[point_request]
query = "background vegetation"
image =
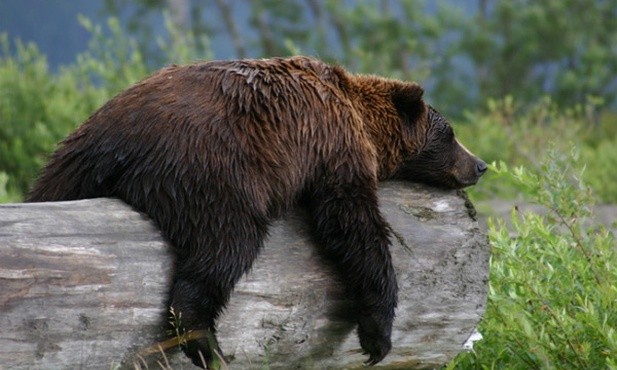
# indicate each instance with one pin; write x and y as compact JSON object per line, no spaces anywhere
{"x":513,"y":75}
{"x":552,"y":292}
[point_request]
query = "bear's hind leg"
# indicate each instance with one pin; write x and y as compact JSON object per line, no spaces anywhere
{"x":205,"y":277}
{"x":194,"y":322}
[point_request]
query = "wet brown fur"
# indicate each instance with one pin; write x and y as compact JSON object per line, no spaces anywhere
{"x":215,"y":151}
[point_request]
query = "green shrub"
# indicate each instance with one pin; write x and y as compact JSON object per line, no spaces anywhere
{"x":37,"y":109}
{"x":601,"y":169}
{"x":552,"y":300}
{"x":5,"y":196}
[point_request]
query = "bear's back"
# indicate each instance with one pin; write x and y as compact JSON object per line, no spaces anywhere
{"x":261,"y":127}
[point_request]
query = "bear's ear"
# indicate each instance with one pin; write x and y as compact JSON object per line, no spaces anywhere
{"x":407,"y":99}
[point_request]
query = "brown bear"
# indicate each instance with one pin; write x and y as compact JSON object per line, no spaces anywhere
{"x":215,"y":151}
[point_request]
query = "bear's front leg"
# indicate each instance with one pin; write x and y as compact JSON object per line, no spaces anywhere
{"x":355,"y":236}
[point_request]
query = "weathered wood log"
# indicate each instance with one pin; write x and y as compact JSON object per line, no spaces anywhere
{"x":83,"y":284}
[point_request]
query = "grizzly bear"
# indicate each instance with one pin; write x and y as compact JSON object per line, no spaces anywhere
{"x":215,"y":151}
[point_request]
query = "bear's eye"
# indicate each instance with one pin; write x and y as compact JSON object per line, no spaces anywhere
{"x":446,"y":132}
{"x":445,"y":129}
{"x":441,"y":125}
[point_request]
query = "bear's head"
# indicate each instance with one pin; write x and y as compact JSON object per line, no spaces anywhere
{"x":431,"y":154}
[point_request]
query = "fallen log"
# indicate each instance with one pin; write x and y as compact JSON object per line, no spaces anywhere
{"x":83,"y":284}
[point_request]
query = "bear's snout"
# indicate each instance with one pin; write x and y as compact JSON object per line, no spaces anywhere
{"x":468,"y":168}
{"x":475,"y":168}
{"x":481,"y":167}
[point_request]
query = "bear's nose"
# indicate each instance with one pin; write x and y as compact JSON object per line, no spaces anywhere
{"x":481,"y":168}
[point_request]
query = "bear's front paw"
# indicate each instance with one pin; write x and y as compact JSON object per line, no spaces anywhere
{"x":203,"y":350}
{"x":375,"y":337}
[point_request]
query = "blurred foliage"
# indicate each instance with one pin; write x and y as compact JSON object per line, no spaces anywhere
{"x":552,"y":301}
{"x":465,"y":51}
{"x":564,"y":48}
{"x":506,"y":131}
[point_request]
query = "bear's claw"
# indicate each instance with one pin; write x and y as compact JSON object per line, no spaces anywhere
{"x":204,"y":351}
{"x":374,"y":338}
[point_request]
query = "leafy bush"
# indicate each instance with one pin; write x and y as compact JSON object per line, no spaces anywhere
{"x":37,"y":109}
{"x":4,"y":194}
{"x":552,"y":297}
{"x":601,"y":169}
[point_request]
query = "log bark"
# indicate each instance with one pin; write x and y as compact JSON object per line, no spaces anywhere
{"x":83,"y":284}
